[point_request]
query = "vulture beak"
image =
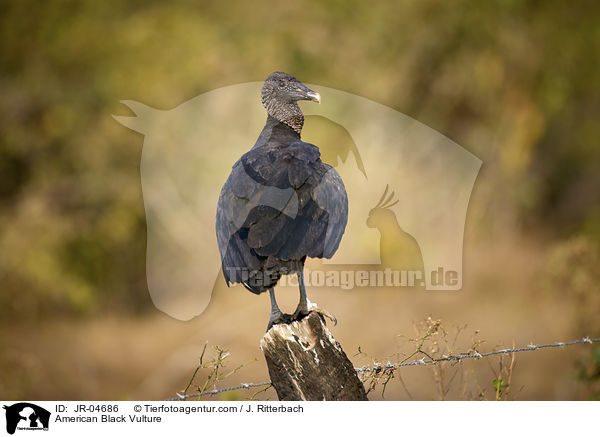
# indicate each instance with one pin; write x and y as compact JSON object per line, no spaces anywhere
{"x":314,"y":96}
{"x":305,"y":93}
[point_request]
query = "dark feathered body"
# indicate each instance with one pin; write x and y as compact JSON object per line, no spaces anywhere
{"x":280,"y":204}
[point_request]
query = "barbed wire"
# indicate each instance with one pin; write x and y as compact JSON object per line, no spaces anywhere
{"x":388,"y":366}
{"x":529,"y":347}
{"x":181,"y":397}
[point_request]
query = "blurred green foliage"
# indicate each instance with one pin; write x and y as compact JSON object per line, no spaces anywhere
{"x":515,"y":82}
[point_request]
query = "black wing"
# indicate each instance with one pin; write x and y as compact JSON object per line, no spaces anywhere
{"x":278,"y":206}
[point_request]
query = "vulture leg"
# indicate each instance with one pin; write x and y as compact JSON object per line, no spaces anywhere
{"x":277,"y":317}
{"x":304,"y":306}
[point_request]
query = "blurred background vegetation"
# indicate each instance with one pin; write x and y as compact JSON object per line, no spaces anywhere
{"x":514,"y":82}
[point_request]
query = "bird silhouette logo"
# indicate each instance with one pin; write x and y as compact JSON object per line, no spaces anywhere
{"x":398,"y":249}
{"x":188,"y":154}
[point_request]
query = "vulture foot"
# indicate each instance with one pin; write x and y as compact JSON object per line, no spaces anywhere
{"x":299,"y":314}
{"x":279,"y":319}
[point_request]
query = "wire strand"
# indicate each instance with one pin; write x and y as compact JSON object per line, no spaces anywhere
{"x":381,"y":367}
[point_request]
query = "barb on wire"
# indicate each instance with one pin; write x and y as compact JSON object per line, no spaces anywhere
{"x":389,"y":366}
{"x":181,"y":397}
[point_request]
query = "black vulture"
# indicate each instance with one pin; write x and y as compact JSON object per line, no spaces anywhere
{"x":281,"y":203}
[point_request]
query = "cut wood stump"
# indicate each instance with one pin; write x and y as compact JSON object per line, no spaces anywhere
{"x":306,"y":363}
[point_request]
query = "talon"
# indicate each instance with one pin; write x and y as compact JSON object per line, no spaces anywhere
{"x":324,"y":313}
{"x":299,"y":314}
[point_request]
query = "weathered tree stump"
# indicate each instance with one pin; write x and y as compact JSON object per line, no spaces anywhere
{"x":306,"y":363}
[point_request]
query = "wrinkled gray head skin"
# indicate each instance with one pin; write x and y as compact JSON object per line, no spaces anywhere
{"x":285,"y":88}
{"x":280,"y":94}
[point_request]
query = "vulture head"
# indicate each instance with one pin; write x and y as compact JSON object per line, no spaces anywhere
{"x":280,"y":94}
